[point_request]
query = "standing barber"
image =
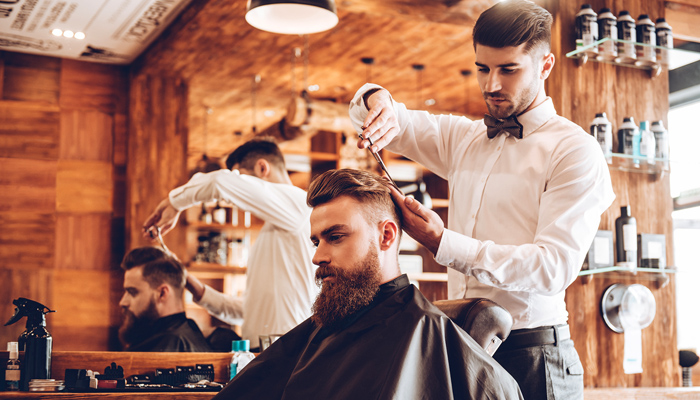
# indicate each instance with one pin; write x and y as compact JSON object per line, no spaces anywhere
{"x":527,"y":188}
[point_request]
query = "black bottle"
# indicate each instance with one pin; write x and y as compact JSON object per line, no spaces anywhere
{"x":626,"y":237}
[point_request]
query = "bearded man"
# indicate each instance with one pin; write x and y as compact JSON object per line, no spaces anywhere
{"x":372,"y":334}
{"x":153,"y":306}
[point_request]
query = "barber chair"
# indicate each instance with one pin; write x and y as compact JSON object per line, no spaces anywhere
{"x":484,"y":320}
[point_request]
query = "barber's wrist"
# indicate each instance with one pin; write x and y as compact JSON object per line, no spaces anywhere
{"x":366,"y":96}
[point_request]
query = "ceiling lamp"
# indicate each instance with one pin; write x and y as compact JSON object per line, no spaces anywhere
{"x":292,"y":17}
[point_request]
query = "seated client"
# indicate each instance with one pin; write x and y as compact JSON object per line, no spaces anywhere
{"x":153,"y":306}
{"x":372,"y":334}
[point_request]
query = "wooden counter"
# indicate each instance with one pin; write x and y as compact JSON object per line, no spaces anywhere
{"x":120,"y":396}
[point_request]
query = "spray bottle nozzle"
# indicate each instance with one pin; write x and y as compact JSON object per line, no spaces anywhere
{"x":27,"y":308}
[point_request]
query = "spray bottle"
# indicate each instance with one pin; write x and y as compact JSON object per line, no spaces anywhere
{"x":36,"y":341}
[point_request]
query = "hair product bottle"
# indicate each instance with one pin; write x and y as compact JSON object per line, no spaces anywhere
{"x":626,"y":238}
{"x":627,"y":31}
{"x":601,"y":129}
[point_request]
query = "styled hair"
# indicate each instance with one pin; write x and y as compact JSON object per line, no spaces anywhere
{"x":158,"y":267}
{"x":251,"y":151}
{"x":365,"y":187}
{"x":512,"y":23}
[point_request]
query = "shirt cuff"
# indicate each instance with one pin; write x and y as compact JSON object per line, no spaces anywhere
{"x":457,"y":251}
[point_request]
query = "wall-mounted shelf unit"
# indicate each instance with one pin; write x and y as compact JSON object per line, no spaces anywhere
{"x":658,"y":275}
{"x":630,"y":163}
{"x":676,"y":57}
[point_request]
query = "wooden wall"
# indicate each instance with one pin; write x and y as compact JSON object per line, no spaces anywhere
{"x":62,"y":163}
{"x":579,"y":93}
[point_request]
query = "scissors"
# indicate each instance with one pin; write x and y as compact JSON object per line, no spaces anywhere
{"x":379,"y":160}
{"x":157,"y":235}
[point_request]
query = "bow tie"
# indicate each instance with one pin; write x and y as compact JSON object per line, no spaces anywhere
{"x":510,"y":125}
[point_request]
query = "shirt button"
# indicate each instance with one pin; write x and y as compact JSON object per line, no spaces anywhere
{"x":498,"y":148}
{"x":483,"y":180}
{"x":451,"y":264}
{"x":473,"y":215}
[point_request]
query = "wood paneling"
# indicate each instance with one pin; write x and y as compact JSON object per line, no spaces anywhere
{"x":29,"y":130}
{"x":157,"y":148}
{"x":27,"y":185}
{"x":86,"y":135}
{"x":80,"y":299}
{"x":93,"y":86}
{"x":30,"y":77}
{"x":84,"y":186}
{"x":83,"y":241}
{"x":27,"y":239}
{"x":579,"y":93}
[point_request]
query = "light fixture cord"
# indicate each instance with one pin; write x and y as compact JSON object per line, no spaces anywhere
{"x":254,"y":87}
{"x":296,"y":53}
{"x":306,"y":62}
{"x":419,"y":86}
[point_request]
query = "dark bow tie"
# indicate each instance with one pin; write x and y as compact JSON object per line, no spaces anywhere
{"x":510,"y":125}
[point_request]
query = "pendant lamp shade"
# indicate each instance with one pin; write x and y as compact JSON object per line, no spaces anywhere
{"x":292,"y":17}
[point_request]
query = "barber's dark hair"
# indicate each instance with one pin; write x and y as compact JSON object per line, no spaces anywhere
{"x":251,"y":151}
{"x":158,"y":267}
{"x":512,"y":23}
{"x":367,"y":188}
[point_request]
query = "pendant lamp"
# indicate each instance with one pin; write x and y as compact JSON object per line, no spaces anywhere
{"x":292,"y":17}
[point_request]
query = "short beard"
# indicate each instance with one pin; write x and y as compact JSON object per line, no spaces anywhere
{"x":135,"y":329}
{"x":351,"y":291}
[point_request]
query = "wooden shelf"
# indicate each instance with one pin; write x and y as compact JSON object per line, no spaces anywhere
{"x":197,"y":266}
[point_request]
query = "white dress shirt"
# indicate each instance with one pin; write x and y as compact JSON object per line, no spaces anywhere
{"x":280,"y":284}
{"x":522,"y":212}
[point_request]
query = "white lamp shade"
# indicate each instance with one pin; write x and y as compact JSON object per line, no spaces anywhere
{"x":292,"y":17}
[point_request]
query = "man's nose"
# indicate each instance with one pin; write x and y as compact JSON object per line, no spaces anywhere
{"x":493,"y":83}
{"x":123,"y":303}
{"x":321,"y":255}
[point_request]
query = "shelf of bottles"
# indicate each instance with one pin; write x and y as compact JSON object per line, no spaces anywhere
{"x":660,"y":276}
{"x":671,"y":58}
{"x":639,"y":164}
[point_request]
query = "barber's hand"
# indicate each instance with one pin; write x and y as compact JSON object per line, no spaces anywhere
{"x":381,"y":123}
{"x":421,"y":223}
{"x":165,"y":216}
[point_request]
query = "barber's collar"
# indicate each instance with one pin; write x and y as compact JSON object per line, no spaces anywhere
{"x":534,"y":119}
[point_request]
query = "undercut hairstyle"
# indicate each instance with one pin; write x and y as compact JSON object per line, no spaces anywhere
{"x":512,"y":23}
{"x":365,"y":187}
{"x":247,"y":154}
{"x":158,"y":267}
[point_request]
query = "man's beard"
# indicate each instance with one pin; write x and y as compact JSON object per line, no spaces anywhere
{"x":350,"y":291}
{"x":516,"y":105}
{"x":134,"y":329}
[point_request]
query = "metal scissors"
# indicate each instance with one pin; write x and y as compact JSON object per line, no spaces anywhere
{"x":379,"y":160}
{"x":157,"y":235}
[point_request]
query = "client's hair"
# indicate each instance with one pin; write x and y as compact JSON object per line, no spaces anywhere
{"x":251,"y":151}
{"x":158,"y":267}
{"x":365,"y":187}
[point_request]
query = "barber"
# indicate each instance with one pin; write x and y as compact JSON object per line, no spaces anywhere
{"x":527,"y":189}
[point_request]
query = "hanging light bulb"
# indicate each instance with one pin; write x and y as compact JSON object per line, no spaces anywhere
{"x":292,"y":17}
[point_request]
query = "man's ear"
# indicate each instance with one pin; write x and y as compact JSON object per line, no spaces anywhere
{"x":389,"y":234}
{"x":163,"y":292}
{"x":547,"y":65}
{"x":262,"y":168}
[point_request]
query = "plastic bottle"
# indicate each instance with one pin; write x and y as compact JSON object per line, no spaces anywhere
{"x":205,"y":216}
{"x":661,"y":137}
{"x":607,"y":28}
{"x":233,"y":365}
{"x":646,"y":34}
{"x":627,"y":31}
{"x":12,"y":371}
{"x":219,"y":214}
{"x":628,"y":139}
{"x":586,"y":28}
{"x":601,"y":129}
{"x":647,"y":143}
{"x":244,"y":355}
{"x":626,"y":238}
{"x":664,"y":38}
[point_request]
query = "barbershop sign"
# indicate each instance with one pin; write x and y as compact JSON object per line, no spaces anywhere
{"x":109,"y":31}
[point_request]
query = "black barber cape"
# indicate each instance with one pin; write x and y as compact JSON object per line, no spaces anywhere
{"x":398,"y":347}
{"x":174,"y":333}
